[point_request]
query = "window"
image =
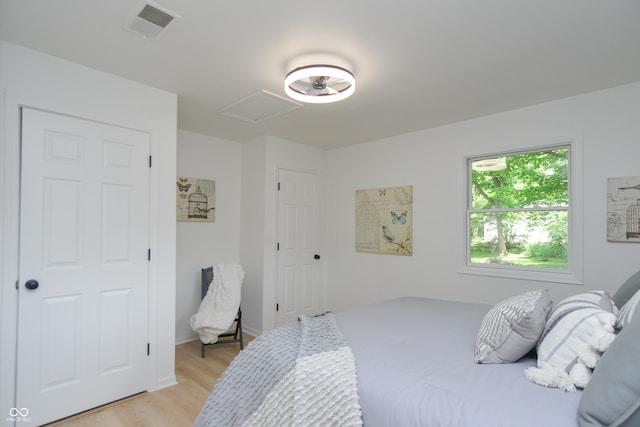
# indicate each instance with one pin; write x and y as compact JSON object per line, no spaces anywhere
{"x":519,"y":214}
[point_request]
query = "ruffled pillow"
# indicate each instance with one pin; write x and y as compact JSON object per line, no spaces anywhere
{"x":578,"y":331}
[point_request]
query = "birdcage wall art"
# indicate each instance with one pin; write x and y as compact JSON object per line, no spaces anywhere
{"x":197,"y":204}
{"x":195,"y":199}
{"x":623,"y":213}
{"x":633,"y":221}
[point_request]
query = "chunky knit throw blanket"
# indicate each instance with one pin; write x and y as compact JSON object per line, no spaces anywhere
{"x":220,"y":305}
{"x":301,"y":374}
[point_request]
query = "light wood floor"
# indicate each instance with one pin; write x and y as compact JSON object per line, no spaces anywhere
{"x":174,"y":406}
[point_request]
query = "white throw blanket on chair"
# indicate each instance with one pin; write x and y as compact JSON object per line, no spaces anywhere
{"x":219,"y":307}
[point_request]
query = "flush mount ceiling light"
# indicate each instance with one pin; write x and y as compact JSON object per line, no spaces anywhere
{"x":490,"y":165}
{"x":319,"y":84}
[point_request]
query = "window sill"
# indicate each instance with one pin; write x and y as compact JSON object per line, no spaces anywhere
{"x":562,"y":276}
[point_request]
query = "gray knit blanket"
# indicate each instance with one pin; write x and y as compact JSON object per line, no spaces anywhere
{"x":301,"y":374}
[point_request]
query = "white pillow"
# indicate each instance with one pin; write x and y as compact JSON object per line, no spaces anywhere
{"x":578,"y":331}
{"x":628,"y":310}
{"x":512,"y":327}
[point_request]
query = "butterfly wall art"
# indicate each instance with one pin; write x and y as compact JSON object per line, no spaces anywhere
{"x":399,"y":219}
{"x":384,"y":220}
{"x":195,"y":199}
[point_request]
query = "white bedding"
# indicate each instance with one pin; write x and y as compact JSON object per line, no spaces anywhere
{"x":415,"y":367}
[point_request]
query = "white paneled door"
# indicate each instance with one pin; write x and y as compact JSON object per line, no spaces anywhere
{"x":83,"y":287}
{"x":298,"y":243}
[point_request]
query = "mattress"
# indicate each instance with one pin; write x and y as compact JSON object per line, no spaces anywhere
{"x":415,"y":367}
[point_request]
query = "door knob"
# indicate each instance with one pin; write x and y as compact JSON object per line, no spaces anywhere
{"x":31,"y":284}
{"x":316,"y":256}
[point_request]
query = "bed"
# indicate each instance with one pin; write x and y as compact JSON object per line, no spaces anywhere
{"x":414,"y":358}
{"x":414,"y":366}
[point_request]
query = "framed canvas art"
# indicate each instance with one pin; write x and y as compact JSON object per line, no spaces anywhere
{"x":195,"y":199}
{"x":384,"y":220}
{"x":623,"y":209}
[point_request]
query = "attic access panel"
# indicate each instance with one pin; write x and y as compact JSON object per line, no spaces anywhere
{"x":259,"y":107}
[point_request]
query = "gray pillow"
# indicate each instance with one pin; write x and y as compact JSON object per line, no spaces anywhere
{"x":627,"y":290}
{"x":628,"y":311}
{"x":612,"y":397}
{"x":512,"y":327}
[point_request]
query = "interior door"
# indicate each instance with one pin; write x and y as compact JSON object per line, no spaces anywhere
{"x":84,"y":239}
{"x":298,"y":258}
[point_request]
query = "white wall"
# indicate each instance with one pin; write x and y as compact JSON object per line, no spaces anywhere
{"x":252,"y":233}
{"x":41,"y":81}
{"x":202,"y":244}
{"x":608,"y":124}
{"x":262,"y":159}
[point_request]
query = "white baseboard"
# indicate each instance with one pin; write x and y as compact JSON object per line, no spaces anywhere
{"x":189,"y":338}
{"x":250,"y":331}
{"x":186,"y":339}
{"x":165,"y":382}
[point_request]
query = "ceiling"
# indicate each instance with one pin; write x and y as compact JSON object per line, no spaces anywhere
{"x":417,"y":63}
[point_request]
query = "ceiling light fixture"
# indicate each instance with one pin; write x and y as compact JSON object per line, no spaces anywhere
{"x":319,"y":84}
{"x":489,"y":165}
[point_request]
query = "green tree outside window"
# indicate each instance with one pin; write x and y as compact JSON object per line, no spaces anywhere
{"x":518,"y":209}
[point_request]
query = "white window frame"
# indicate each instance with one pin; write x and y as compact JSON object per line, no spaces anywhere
{"x":573,"y":273}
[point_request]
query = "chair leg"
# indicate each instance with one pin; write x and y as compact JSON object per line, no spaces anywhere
{"x":235,"y":334}
{"x":202,"y":351}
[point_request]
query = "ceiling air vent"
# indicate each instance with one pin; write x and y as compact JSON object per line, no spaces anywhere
{"x":150,"y":20}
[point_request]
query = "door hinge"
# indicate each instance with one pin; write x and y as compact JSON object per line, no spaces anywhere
{"x":278,"y":246}
{"x":150,"y":161}
{"x":277,"y":307}
{"x":148,"y":254}
{"x":278,"y":186}
{"x":148,"y":349}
